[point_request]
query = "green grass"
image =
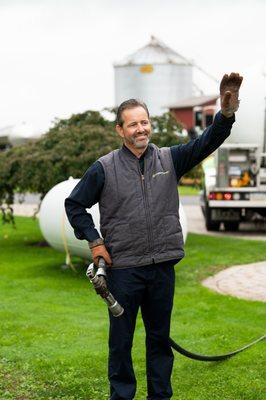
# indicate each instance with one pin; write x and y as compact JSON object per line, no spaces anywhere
{"x":54,"y":328}
{"x":188,"y":191}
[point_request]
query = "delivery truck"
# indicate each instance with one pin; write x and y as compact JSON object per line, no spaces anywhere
{"x":234,"y":187}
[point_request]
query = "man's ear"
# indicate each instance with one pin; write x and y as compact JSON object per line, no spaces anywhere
{"x":119,"y":130}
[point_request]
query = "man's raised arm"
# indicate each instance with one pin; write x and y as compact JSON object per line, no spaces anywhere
{"x":187,"y":156}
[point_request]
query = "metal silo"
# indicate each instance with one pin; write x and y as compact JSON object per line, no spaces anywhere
{"x":155,"y":74}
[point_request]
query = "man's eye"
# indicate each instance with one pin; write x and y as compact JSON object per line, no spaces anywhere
{"x":144,"y":122}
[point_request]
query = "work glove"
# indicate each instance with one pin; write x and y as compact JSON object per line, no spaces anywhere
{"x":100,"y":251}
{"x":100,"y":286}
{"x":229,"y":91}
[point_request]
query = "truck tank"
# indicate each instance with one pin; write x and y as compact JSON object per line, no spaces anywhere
{"x":249,"y":126}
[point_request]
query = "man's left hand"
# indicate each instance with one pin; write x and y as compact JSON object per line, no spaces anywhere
{"x":229,"y":91}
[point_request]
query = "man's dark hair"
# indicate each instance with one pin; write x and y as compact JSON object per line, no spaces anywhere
{"x":131,"y":103}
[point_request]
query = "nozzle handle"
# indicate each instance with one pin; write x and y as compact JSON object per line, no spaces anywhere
{"x":101,"y":267}
{"x":101,"y":263}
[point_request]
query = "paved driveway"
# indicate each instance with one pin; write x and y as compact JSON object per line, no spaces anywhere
{"x":196,"y":222}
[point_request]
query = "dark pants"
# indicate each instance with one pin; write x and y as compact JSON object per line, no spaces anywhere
{"x":151,"y":288}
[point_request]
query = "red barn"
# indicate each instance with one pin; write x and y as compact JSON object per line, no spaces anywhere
{"x":195,"y":111}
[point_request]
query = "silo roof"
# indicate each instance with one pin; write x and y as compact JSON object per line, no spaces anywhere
{"x":155,"y":52}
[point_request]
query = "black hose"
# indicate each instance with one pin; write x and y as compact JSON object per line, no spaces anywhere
{"x":195,"y":356}
{"x":202,"y":357}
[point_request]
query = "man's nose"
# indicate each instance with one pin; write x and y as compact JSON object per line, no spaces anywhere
{"x":140,"y":127}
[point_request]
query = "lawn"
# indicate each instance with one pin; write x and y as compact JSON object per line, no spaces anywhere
{"x":54,"y":328}
{"x":188,"y":190}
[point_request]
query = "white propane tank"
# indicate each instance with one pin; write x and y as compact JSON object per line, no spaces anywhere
{"x":249,"y":125}
{"x":56,"y":229}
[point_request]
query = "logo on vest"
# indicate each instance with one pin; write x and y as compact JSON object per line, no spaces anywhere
{"x":160,"y":173}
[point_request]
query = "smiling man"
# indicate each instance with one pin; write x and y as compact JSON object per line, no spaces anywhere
{"x":135,"y":127}
{"x":136,"y":187}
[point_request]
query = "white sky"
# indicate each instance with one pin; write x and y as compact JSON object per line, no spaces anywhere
{"x":56,"y":56}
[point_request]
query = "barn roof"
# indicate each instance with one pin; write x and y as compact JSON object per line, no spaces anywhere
{"x":194,"y":101}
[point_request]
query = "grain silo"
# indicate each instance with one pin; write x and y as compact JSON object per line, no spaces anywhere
{"x":155,"y":74}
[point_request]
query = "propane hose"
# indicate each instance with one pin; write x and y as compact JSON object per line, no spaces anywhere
{"x":220,"y":357}
{"x":117,"y":311}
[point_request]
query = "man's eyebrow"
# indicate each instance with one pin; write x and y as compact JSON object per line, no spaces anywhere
{"x":135,"y":122}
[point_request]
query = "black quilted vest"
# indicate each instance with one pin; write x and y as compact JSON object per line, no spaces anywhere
{"x":139,"y":215}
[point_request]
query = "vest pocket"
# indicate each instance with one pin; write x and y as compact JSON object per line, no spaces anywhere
{"x":120,"y":240}
{"x":173,"y":232}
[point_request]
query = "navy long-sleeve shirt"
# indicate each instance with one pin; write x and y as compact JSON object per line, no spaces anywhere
{"x":185,"y":156}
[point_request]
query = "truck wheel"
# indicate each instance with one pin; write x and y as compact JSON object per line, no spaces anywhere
{"x":212,"y":226}
{"x":231,"y":226}
{"x":209,"y":223}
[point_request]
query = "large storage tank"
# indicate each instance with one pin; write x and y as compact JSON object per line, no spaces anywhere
{"x":56,"y":229}
{"x":54,"y":224}
{"x":155,"y":74}
{"x":249,"y":125}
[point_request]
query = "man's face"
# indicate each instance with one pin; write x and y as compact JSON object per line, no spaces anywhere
{"x":136,"y":129}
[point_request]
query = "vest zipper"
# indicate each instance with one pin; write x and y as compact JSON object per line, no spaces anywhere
{"x":147,"y":212}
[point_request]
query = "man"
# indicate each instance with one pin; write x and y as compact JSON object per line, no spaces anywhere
{"x":136,"y":187}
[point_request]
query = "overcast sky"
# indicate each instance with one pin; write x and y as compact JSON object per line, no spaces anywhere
{"x":57,"y":56}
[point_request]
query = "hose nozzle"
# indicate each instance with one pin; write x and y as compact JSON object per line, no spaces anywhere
{"x":94,"y":274}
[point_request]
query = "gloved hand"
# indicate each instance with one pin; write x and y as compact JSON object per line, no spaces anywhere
{"x":100,"y":251}
{"x":100,"y":286}
{"x":229,"y":91}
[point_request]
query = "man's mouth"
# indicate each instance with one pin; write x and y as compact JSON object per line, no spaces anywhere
{"x":141,"y":136}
